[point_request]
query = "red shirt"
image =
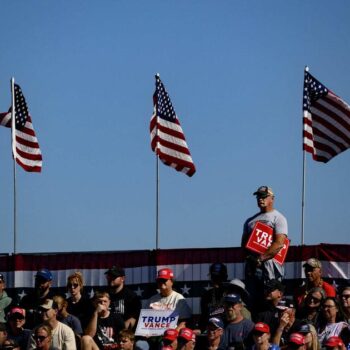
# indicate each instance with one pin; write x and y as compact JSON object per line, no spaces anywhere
{"x":302,"y":292}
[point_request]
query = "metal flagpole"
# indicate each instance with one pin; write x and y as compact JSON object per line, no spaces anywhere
{"x":13,"y":133}
{"x":157,"y":202}
{"x":303,"y":198}
{"x":303,"y":185}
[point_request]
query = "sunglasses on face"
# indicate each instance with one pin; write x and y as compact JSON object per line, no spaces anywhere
{"x":314,"y":299}
{"x":162,"y":280}
{"x":39,"y":338}
{"x":258,"y":334}
{"x":345,"y":296}
{"x":73,"y":285}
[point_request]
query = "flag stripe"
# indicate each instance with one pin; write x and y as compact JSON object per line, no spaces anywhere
{"x":167,"y":137}
{"x":190,"y":266}
{"x":326,"y":121}
{"x":28,"y":153}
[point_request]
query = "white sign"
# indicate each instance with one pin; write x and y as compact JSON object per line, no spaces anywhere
{"x":155,"y":322}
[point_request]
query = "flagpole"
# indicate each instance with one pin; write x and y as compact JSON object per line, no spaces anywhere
{"x":13,"y":133}
{"x":303,"y":199}
{"x":157,"y":201}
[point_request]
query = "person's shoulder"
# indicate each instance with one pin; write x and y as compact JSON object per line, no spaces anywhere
{"x":64,"y":328}
{"x":247,"y":322}
{"x":329,"y":289}
{"x":277,"y":214}
{"x":252,"y":217}
{"x":177,"y":295}
{"x":129,"y":293}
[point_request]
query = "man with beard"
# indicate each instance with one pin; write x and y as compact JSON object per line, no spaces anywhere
{"x":238,"y":330}
{"x":32,"y":301}
{"x":261,"y":268}
{"x":124,"y":301}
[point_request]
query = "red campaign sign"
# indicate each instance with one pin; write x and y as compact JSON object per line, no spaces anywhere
{"x":261,"y":238}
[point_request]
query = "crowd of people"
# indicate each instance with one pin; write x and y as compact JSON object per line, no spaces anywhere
{"x":316,"y":316}
{"x":254,"y":314}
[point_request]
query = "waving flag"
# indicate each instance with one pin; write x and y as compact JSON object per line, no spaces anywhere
{"x":167,"y":137}
{"x":26,"y":147}
{"x":326,"y":121}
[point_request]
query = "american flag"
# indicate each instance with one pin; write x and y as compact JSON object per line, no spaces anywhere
{"x":27,"y":150}
{"x":326,"y":121}
{"x":167,"y":137}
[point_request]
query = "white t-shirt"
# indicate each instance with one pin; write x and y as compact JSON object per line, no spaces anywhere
{"x":175,"y":301}
{"x":62,"y":339}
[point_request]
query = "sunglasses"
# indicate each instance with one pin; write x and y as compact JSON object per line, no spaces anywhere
{"x":345,"y":296}
{"x":315,"y":300}
{"x":72,"y":285}
{"x":39,"y":338}
{"x":162,"y":280}
{"x":258,"y":334}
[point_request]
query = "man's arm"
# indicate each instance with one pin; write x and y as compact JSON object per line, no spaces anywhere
{"x":274,"y":248}
{"x":91,"y":328}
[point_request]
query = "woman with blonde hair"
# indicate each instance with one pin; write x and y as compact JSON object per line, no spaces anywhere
{"x":310,"y":334}
{"x":43,"y":336}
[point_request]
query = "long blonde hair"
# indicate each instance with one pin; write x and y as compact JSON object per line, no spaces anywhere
{"x":315,"y":344}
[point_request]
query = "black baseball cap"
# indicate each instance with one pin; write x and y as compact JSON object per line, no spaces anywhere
{"x":115,"y":271}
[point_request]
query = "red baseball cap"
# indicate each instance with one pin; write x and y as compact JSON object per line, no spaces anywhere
{"x":334,"y":341}
{"x":170,"y":334}
{"x":297,"y":338}
{"x":17,"y":310}
{"x":187,"y":334}
{"x":262,"y":327}
{"x":165,"y":273}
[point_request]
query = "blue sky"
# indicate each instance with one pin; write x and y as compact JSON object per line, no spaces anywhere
{"x":234,"y":72}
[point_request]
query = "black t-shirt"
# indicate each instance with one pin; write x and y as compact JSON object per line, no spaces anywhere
{"x":83,"y":309}
{"x":108,"y":329}
{"x":125,"y":303}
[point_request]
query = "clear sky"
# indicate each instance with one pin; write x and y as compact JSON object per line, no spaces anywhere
{"x":234,"y":72}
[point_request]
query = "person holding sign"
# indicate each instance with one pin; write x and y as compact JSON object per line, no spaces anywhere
{"x":264,"y":238}
{"x":168,"y":299}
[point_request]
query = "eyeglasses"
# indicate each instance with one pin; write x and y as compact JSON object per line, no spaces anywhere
{"x":73,"y":285}
{"x":345,"y":296}
{"x":325,"y":306}
{"x":40,"y":338}
{"x":258,"y":334}
{"x":315,"y":300}
{"x":162,"y":280}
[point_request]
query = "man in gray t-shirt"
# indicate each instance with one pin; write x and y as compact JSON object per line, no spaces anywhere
{"x":262,"y":267}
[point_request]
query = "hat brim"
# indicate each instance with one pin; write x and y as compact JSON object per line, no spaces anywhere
{"x":230,"y":285}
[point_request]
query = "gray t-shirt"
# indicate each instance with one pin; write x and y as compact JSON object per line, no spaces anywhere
{"x":278,"y":223}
